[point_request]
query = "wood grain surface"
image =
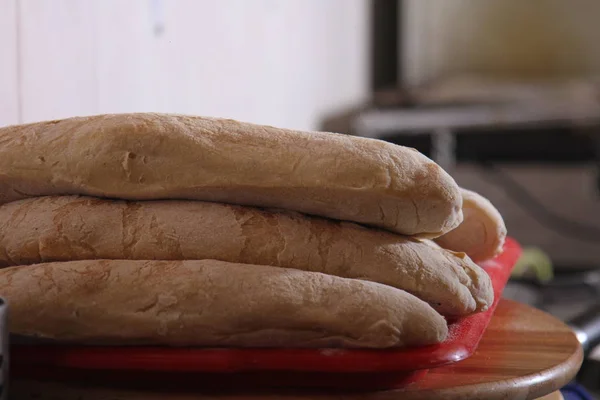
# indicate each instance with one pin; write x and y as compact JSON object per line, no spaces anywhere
{"x":524,"y":354}
{"x":552,"y":396}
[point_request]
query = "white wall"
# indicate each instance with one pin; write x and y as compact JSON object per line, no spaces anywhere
{"x":515,"y":38}
{"x":9,"y":108}
{"x":279,"y":62}
{"x":57,"y":59}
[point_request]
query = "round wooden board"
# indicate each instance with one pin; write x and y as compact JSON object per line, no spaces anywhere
{"x":524,"y":354}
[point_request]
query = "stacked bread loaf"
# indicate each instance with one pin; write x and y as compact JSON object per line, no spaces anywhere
{"x":190,"y":231}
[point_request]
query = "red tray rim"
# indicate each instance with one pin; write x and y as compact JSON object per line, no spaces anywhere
{"x":464,"y":336}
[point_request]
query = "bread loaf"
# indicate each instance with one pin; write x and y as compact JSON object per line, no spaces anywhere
{"x":211,"y":303}
{"x":77,"y":228}
{"x":158,"y":156}
{"x":481,"y":234}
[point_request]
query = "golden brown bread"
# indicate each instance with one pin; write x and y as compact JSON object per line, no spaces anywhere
{"x":481,"y":234}
{"x":159,"y":156}
{"x":68,"y":228}
{"x":211,"y":303}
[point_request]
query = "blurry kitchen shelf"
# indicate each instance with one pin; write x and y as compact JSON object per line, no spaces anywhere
{"x":381,"y":123}
{"x":516,"y":128}
{"x":475,"y":133}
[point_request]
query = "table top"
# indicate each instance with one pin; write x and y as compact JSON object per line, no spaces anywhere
{"x":524,"y":354}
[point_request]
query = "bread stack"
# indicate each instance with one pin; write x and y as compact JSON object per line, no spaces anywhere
{"x":174,"y":230}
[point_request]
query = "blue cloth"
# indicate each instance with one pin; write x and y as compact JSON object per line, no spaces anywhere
{"x":574,"y":391}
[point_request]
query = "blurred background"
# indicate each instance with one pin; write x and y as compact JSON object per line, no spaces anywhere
{"x":504,"y":94}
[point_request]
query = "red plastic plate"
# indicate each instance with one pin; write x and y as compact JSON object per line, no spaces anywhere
{"x":385,"y":365}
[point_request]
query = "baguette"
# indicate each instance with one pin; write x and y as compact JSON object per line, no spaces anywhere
{"x":159,"y":156}
{"x":76,"y":228}
{"x":211,"y":303}
{"x":481,"y":234}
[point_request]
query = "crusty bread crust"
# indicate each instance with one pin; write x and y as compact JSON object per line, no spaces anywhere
{"x":161,"y":156}
{"x":77,"y":228}
{"x":482,"y":233}
{"x":211,"y":303}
